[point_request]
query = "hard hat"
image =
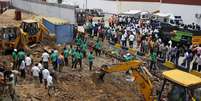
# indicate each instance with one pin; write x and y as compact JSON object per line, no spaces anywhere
{"x":15,"y":50}
{"x":56,"y":51}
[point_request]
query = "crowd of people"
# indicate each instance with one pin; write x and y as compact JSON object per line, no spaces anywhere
{"x":129,"y":32}
{"x":42,"y":73}
{"x":145,"y":37}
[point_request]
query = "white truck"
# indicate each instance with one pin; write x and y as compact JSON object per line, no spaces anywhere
{"x":168,"y":18}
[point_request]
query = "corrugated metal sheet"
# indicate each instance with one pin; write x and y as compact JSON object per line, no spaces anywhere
{"x":63,"y":32}
{"x":49,"y":26}
{"x":56,"y":21}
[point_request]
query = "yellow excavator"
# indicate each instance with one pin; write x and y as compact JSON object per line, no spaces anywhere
{"x":35,"y":30}
{"x":12,"y":37}
{"x":183,"y":84}
{"x":139,"y":72}
{"x":29,"y":32}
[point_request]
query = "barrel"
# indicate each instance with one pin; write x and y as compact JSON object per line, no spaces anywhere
{"x":18,"y":15}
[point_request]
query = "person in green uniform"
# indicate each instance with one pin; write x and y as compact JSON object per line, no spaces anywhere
{"x":14,"y":56}
{"x":20,"y":56}
{"x":54,"y":57}
{"x":75,"y":56}
{"x":79,"y":57}
{"x":71,"y":53}
{"x":78,"y":41}
{"x":98,"y":48}
{"x":90,"y":59}
{"x":84,"y":48}
{"x":153,"y":58}
{"x":66,"y":54}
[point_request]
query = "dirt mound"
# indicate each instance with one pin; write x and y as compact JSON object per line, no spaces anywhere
{"x":7,"y":18}
{"x":75,"y":85}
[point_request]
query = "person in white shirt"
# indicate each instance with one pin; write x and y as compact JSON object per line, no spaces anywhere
{"x":168,"y":52}
{"x":40,"y":66}
{"x":22,"y":69}
{"x":131,"y":40}
{"x":199,"y":62}
{"x":45,"y":74}
{"x":49,"y":81}
{"x":123,"y":40}
{"x":28,"y":62}
{"x":35,"y":72}
{"x":170,"y":43}
{"x":50,"y":84}
{"x":187,"y":57}
{"x":45,"y":59}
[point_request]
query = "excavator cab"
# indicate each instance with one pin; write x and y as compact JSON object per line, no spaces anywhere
{"x":9,"y":37}
{"x":32,"y":28}
{"x":185,"y":86}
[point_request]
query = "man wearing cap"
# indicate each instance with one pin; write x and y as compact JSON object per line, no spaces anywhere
{"x":14,"y":56}
{"x":20,"y":56}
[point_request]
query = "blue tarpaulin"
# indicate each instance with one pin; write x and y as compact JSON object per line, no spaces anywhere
{"x":62,"y":30}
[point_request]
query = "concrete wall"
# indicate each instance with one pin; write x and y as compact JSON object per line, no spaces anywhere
{"x":44,"y":9}
{"x":108,"y":6}
{"x":143,"y":6}
{"x":186,"y":11}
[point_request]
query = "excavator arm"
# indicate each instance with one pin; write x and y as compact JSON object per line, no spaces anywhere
{"x":141,"y":75}
{"x":44,"y":33}
{"x":123,"y":66}
{"x":22,"y":40}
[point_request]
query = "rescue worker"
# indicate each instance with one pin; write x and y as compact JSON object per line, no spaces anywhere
{"x":11,"y":85}
{"x":45,"y":59}
{"x":98,"y":48}
{"x":90,"y":28}
{"x":66,"y":55}
{"x":74,"y":58}
{"x":78,"y":40}
{"x":28,"y":62}
{"x":45,"y":74}
{"x":14,"y":56}
{"x":40,"y":66}
{"x":35,"y":73}
{"x":78,"y":56}
{"x":153,"y":57}
{"x":90,"y":59}
{"x":20,"y":56}
{"x":50,"y":84}
{"x":60,"y":62}
{"x":131,"y":40}
{"x":54,"y":57}
{"x":84,"y":48}
{"x":22,"y":69}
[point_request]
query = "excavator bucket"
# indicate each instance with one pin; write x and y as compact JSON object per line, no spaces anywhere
{"x":98,"y":76}
{"x":169,"y":65}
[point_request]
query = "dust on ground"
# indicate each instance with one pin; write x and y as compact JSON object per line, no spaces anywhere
{"x":75,"y":85}
{"x":8,"y":18}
